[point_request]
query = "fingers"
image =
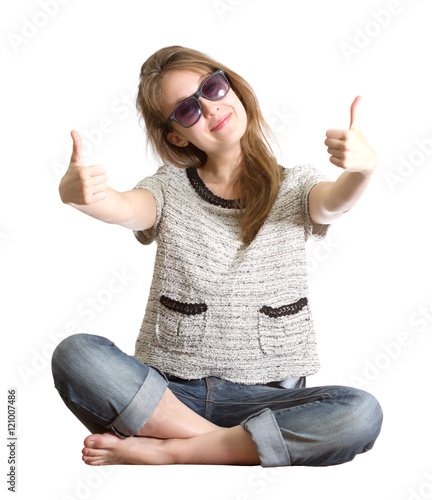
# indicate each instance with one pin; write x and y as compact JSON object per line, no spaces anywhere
{"x":342,"y":135}
{"x":347,"y":147}
{"x":82,"y":185}
{"x":335,"y":143}
{"x":354,"y":122}
{"x":337,"y":161}
{"x":355,"y":114}
{"x":96,"y":184}
{"x":94,"y":171}
{"x":76,"y":157}
{"x":90,"y":186}
{"x":337,"y":153}
{"x":337,"y":148}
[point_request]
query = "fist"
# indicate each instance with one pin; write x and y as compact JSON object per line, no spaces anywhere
{"x":348,"y":148}
{"x":82,"y":185}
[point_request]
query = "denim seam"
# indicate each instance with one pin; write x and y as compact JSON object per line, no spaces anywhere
{"x":181,"y":395}
{"x":294,"y":407}
{"x":249,"y":402}
{"x":271,"y":401}
{"x":209,"y":407}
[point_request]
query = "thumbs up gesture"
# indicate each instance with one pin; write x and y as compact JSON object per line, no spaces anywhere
{"x":82,"y":185}
{"x":348,"y":148}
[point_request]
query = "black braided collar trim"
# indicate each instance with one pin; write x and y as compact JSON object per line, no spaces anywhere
{"x":204,"y":191}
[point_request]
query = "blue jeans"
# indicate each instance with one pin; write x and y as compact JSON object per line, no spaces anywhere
{"x":110,"y":391}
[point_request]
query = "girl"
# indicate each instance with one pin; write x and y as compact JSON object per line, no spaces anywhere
{"x":227,"y":340}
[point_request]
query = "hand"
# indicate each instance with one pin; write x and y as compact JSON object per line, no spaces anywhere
{"x":82,"y":185}
{"x":348,"y":148}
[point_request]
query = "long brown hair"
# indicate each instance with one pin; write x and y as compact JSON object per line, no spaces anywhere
{"x":259,"y":176}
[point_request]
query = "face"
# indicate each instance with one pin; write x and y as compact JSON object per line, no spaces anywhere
{"x":180,"y":84}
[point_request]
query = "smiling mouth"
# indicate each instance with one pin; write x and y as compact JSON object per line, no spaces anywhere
{"x":222,"y":123}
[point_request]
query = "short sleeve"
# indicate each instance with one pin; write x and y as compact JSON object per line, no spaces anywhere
{"x":155,"y":186}
{"x":307,"y":176}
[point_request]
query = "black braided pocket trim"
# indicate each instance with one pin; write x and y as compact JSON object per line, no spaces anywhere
{"x":182,"y":307}
{"x":284,"y":310}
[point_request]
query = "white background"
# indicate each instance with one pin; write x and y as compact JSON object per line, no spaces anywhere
{"x":75,"y":65}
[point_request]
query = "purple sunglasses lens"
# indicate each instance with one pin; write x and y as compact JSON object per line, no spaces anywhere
{"x":188,"y":112}
{"x":215,"y":87}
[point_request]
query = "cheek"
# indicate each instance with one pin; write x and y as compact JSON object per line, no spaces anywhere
{"x":197,"y":136}
{"x":244,"y":114}
{"x":241,"y":112}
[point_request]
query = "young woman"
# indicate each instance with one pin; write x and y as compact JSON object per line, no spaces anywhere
{"x":227,"y":340}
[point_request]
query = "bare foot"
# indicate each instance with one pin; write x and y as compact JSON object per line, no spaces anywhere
{"x":109,"y":449}
{"x":173,"y":419}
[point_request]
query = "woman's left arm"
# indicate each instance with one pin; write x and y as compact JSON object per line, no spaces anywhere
{"x":349,"y":150}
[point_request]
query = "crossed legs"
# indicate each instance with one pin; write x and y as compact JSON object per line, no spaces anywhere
{"x":135,"y":418}
{"x":102,"y":386}
{"x":174,"y":434}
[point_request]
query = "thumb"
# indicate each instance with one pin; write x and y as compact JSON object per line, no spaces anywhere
{"x":76,"y":157}
{"x":355,"y":114}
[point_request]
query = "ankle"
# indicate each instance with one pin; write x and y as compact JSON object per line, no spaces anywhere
{"x":175,"y":450}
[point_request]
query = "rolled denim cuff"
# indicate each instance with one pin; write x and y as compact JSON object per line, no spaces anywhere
{"x":268,"y":438}
{"x":131,"y":420}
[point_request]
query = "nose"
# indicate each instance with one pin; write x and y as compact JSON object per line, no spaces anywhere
{"x":209,"y":108}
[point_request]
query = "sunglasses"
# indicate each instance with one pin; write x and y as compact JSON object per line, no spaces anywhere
{"x":189,"y":111}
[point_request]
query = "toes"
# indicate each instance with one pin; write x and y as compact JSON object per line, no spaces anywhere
{"x":99,"y":449}
{"x":90,"y":441}
{"x":95,"y":461}
{"x":93,"y":452}
{"x":106,"y":440}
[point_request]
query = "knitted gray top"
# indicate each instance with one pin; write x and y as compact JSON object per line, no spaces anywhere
{"x":217,"y":307}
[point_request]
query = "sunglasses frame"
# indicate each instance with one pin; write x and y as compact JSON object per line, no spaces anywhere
{"x":196,"y":97}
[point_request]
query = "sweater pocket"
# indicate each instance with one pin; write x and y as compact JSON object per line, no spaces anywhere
{"x":283,"y":329}
{"x":180,"y":325}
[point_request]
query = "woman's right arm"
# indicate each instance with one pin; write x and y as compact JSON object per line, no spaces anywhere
{"x":86,"y":189}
